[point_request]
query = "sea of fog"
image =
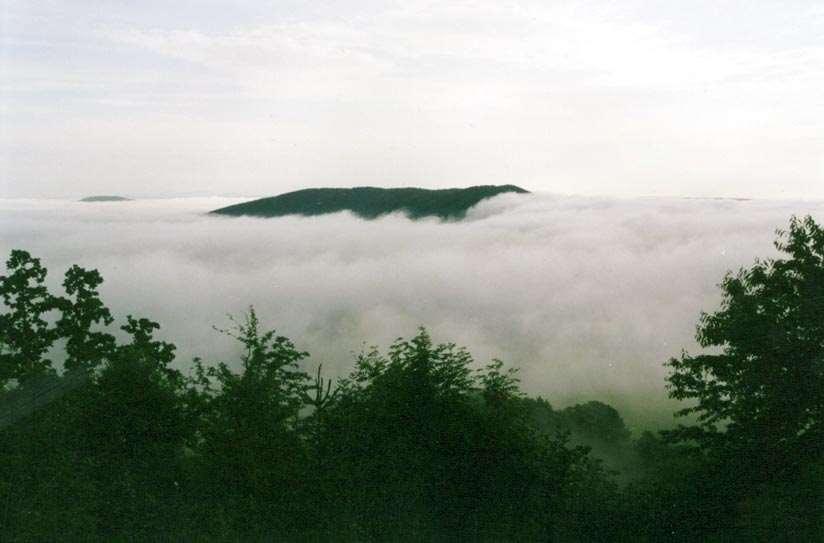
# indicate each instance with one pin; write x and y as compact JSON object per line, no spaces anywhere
{"x":588,"y":296}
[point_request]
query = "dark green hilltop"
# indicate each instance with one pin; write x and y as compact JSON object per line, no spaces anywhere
{"x":371,"y":202}
{"x":106,"y":199}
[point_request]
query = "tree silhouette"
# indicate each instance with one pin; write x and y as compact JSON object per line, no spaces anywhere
{"x":760,"y":392}
{"x":25,"y":334}
{"x":86,"y":348}
{"x":253,"y":455}
{"x":134,"y":427}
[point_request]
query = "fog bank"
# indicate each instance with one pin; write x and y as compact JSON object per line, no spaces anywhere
{"x":588,"y":296}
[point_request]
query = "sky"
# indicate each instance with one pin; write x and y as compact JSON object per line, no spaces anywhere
{"x":151,"y":98}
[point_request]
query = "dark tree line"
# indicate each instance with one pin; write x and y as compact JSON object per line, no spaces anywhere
{"x":114,"y":443}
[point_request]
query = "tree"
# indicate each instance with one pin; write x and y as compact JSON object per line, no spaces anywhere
{"x":596,"y":421}
{"x":86,"y":348}
{"x":134,"y":426}
{"x":417,"y":445}
{"x":759,"y":392}
{"x":25,"y":334}
{"x":252,"y":452}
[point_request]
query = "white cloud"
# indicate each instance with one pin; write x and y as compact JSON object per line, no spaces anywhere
{"x":589,"y":97}
{"x":589,"y":296}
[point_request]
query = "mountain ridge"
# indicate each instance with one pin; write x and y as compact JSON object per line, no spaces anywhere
{"x":371,"y":202}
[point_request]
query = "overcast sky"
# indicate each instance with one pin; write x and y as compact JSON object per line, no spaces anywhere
{"x":715,"y":98}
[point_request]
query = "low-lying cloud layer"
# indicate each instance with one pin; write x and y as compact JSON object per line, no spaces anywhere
{"x":589,"y":297}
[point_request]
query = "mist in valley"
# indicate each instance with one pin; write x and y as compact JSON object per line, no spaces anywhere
{"x":587,"y":296}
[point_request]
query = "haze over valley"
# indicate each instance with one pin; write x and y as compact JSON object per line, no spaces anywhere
{"x":408,"y":270}
{"x":588,"y":296}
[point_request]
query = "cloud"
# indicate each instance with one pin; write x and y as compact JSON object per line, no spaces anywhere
{"x":570,"y":45}
{"x":586,"y":97}
{"x":588,"y":296}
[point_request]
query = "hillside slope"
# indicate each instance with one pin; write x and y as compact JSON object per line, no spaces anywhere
{"x":371,"y":202}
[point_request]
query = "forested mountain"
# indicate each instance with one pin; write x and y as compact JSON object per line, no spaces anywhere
{"x":371,"y":202}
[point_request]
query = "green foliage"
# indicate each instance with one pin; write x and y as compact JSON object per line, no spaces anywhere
{"x":134,"y":427}
{"x":25,"y":333}
{"x":251,"y":453}
{"x":499,"y":387}
{"x":86,"y":349}
{"x":757,"y":401}
{"x":97,"y":449}
{"x":760,"y":392}
{"x":596,"y":420}
{"x":594,"y":425}
{"x":271,"y":379}
{"x":417,"y":444}
{"x":371,"y":202}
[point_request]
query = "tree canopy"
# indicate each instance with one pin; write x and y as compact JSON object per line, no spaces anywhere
{"x":759,"y":391}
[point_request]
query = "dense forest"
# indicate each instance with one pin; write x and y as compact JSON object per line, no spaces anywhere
{"x":101,"y":438}
{"x":371,"y":202}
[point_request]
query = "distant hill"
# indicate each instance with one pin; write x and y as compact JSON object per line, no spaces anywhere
{"x":371,"y":202}
{"x":105,"y":199}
